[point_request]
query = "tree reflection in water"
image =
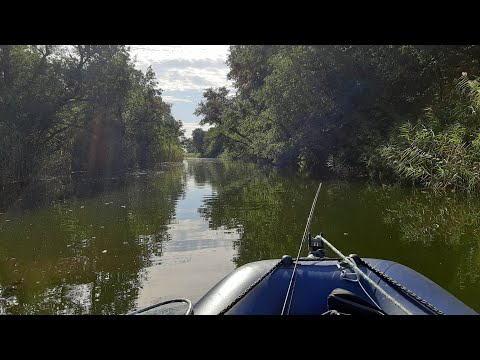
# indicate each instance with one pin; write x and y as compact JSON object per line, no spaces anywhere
{"x":77,"y":246}
{"x":435,"y":234}
{"x":85,"y":246}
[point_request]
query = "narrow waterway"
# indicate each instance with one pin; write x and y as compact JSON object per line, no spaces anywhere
{"x":85,"y":246}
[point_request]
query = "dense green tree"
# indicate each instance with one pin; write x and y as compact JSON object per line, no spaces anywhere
{"x":80,"y":108}
{"x":198,"y":140}
{"x":331,"y":105}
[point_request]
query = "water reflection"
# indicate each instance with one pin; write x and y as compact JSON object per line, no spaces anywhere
{"x":85,"y":253}
{"x":446,"y":229}
{"x":197,"y":256}
{"x":433,"y":234}
{"x":83,"y":246}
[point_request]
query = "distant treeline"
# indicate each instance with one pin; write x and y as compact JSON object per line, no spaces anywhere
{"x":81,"y":108}
{"x":408,"y":113}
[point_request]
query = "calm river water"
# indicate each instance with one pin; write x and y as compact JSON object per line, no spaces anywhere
{"x":83,"y":246}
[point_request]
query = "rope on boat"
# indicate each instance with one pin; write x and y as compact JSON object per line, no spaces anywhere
{"x":400,"y":287}
{"x":285,"y":262}
{"x":247,"y":290}
{"x":352,"y":263}
{"x":307,"y":228}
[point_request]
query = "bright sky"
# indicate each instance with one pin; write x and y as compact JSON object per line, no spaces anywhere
{"x":183,"y":73}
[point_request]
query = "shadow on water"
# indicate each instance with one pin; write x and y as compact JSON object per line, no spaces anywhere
{"x":83,"y":246}
{"x":437,"y":235}
{"x":80,"y":246}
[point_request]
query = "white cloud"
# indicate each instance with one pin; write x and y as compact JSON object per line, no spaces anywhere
{"x":191,"y":78}
{"x":189,"y":127}
{"x":147,"y":54}
{"x":173,"y":99}
{"x":185,"y":67}
{"x":183,"y":72}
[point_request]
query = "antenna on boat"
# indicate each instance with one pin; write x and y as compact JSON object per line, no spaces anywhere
{"x":307,"y":231}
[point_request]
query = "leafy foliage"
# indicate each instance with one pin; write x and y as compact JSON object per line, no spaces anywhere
{"x":440,"y":152}
{"x":338,"y":106}
{"x":80,"y":108}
